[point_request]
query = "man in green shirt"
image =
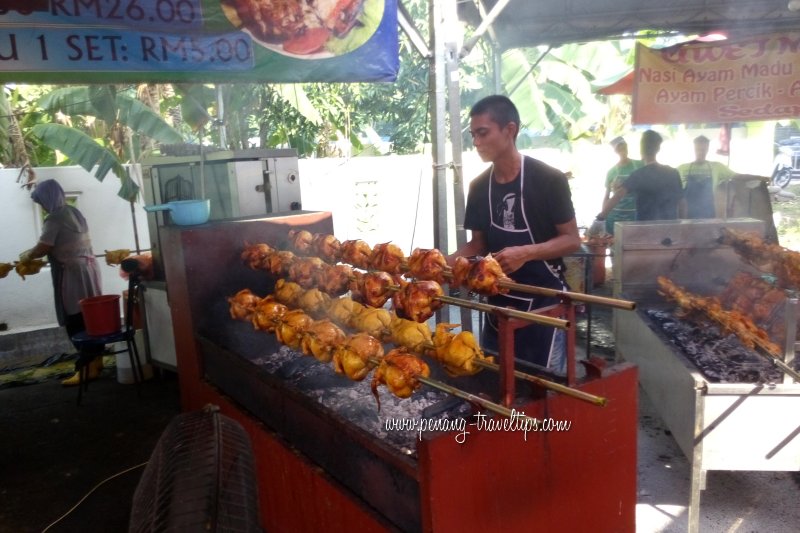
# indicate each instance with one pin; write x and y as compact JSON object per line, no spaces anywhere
{"x":700,"y":179}
{"x":626,"y":208}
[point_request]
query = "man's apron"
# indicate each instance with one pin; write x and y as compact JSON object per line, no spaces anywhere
{"x":533,"y":343}
{"x":699,"y":193}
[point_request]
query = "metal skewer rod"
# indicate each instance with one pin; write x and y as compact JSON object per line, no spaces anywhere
{"x":523,"y":315}
{"x":544,"y":291}
{"x":577,"y":296}
{"x":530,"y":317}
{"x":547,"y":384}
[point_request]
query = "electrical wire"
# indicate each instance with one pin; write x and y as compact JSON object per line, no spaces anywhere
{"x":62,"y":517}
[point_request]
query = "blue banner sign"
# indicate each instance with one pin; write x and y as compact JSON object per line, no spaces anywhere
{"x":114,"y":41}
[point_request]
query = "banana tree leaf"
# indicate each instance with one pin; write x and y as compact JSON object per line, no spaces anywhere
{"x":84,"y":151}
{"x":68,"y":100}
{"x":298,"y":99}
{"x":143,"y":120}
{"x":103,"y":98}
{"x":5,"y":126}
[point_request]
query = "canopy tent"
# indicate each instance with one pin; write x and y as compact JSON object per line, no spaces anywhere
{"x":526,"y":23}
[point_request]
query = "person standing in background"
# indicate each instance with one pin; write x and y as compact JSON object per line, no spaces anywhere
{"x":700,"y":179}
{"x":626,"y":208}
{"x":75,"y":271}
{"x":657,"y":187}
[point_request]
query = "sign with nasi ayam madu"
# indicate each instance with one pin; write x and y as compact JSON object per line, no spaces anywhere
{"x":733,"y":80}
{"x":114,"y":41}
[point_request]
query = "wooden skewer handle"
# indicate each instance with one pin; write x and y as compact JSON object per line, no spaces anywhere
{"x":577,"y":296}
{"x":531,"y":317}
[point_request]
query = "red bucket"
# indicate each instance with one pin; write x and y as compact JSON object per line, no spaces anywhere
{"x":101,"y":314}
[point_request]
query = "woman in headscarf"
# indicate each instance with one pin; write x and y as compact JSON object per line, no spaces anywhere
{"x":76,"y":274}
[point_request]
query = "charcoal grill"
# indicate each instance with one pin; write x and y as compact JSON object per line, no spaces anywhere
{"x":321,"y":465}
{"x":718,"y":425}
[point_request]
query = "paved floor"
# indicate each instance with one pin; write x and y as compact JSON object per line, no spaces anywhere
{"x":53,"y":452}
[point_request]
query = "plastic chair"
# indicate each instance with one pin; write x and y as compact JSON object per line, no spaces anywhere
{"x":126,"y":334}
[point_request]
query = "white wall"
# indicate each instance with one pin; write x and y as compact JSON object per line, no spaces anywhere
{"x":28,"y":304}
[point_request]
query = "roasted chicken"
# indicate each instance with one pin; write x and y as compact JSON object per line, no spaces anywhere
{"x":731,"y":321}
{"x":301,"y":240}
{"x":267,"y":314}
{"x":357,"y":355}
{"x":344,"y":311}
{"x":115,"y":257}
{"x":461,"y":269}
{"x":320,"y":339}
{"x":279,"y":263}
{"x":287,"y":292}
{"x":768,"y":257}
{"x":242,"y":304}
{"x":356,"y":286}
{"x":314,"y":302}
{"x":387,"y":257}
{"x":373,"y":321}
{"x":304,"y":269}
{"x":256,"y":256}
{"x":427,"y":265}
{"x":327,"y":247}
{"x":5,"y":268}
{"x":415,"y":336}
{"x":333,"y":279}
{"x":400,"y":372}
{"x":292,"y":327}
{"x":375,"y":288}
{"x":357,"y":253}
{"x":419,"y":300}
{"x":482,"y":275}
{"x":456,"y":352}
{"x":27,"y":268}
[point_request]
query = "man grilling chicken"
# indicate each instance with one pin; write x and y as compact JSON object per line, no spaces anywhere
{"x":519,"y":210}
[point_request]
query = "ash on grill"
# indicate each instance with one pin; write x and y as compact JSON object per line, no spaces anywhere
{"x":353,"y":400}
{"x":720,"y":358}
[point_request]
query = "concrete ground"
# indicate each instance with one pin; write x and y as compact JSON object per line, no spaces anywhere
{"x":53,"y":453}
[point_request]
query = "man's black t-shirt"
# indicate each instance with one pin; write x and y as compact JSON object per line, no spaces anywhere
{"x":658,"y":191}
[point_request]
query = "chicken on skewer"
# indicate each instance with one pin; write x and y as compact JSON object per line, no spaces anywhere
{"x":292,"y":327}
{"x":356,"y":356}
{"x":242,"y":304}
{"x":314,"y":302}
{"x":320,"y":340}
{"x":344,"y":311}
{"x":327,"y":247}
{"x":278,"y":263}
{"x":428,"y":265}
{"x":457,"y":352}
{"x":374,"y":321}
{"x":303,"y":270}
{"x":375,"y":288}
{"x":301,"y":240}
{"x":357,"y":253}
{"x":5,"y":268}
{"x":27,"y":268}
{"x":419,"y":300}
{"x":256,"y":256}
{"x":267,"y":314}
{"x":333,"y":279}
{"x":409,"y":334}
{"x":387,"y":257}
{"x":399,"y":370}
{"x":287,"y":292}
{"x":782,"y":262}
